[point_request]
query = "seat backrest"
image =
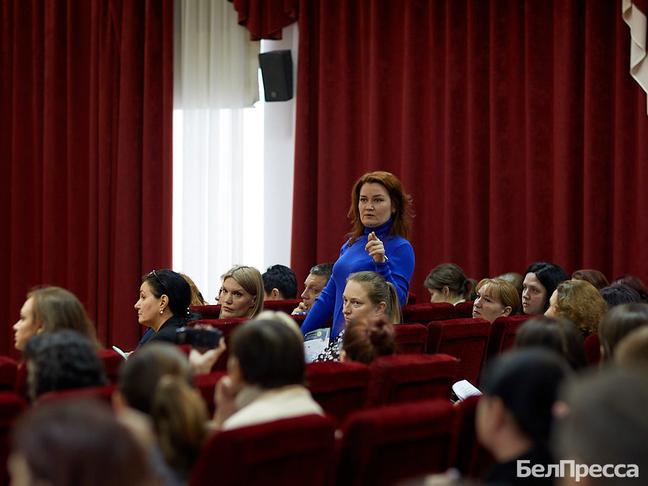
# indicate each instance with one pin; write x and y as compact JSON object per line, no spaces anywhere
{"x":385,"y":445}
{"x":112,"y":362}
{"x":103,"y":393}
{"x":227,"y":327}
{"x":404,"y":377}
{"x":503,"y":332}
{"x":592,"y":349}
{"x":472,"y":459}
{"x":11,"y":406}
{"x":465,"y":339}
{"x":422,"y":313}
{"x":410,"y":338}
{"x":339,"y":388}
{"x":8,"y":370}
{"x":284,"y":305}
{"x":206,"y":385}
{"x":209,"y":311}
{"x":292,"y":451}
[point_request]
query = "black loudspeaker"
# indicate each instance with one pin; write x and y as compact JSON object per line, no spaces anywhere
{"x":276,"y":69}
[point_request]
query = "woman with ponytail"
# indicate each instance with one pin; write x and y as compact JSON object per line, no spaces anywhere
{"x":365,"y":341}
{"x":156,"y":399}
{"x":448,"y":283}
{"x":367,"y":297}
{"x":163,"y":305}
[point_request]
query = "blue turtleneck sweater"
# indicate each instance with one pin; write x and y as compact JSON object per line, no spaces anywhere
{"x":397,"y":270}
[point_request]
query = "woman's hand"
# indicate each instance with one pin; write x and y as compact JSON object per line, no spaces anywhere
{"x":224,"y":398}
{"x":202,"y":363}
{"x":375,"y":248}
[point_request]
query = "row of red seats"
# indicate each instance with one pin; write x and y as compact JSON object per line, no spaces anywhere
{"x":378,"y":446}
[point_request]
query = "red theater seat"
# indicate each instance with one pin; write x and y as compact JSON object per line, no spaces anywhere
{"x":112,"y":362}
{"x":288,"y":452}
{"x":410,"y":338}
{"x":386,"y":445}
{"x":11,"y":406}
{"x":8,"y":371}
{"x":285,"y":305}
{"x":206,"y":311}
{"x":424,"y":313}
{"x":103,"y":393}
{"x":472,"y":460}
{"x":503,"y":332}
{"x":465,"y":339}
{"x":227,"y":327}
{"x":339,"y":388}
{"x":592,"y":349}
{"x":206,"y":384}
{"x":404,"y":377}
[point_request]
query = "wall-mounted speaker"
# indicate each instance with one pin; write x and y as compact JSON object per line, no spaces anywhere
{"x":276,"y":69}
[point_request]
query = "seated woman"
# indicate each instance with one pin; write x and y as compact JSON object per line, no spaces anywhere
{"x":76,"y":442}
{"x":51,"y":309}
{"x":366,"y":340}
{"x":619,"y":322}
{"x":241,"y":294}
{"x":495,"y":298}
{"x":62,"y":360}
{"x":448,"y":283}
{"x":555,"y":333}
{"x":595,"y":277}
{"x":265,"y":376}
{"x":155,"y":398}
{"x":540,"y":280}
{"x":580,"y":302}
{"x":163,"y":305}
{"x":367,"y":296}
{"x":514,"y":416}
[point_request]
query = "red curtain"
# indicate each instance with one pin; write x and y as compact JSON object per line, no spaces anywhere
{"x":85,"y":153}
{"x":514,"y":124}
{"x":265,"y":18}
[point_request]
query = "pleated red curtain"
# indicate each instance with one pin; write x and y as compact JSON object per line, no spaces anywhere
{"x":85,"y":153}
{"x":514,"y":124}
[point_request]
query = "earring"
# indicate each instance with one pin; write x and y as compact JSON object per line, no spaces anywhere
{"x":161,"y":311}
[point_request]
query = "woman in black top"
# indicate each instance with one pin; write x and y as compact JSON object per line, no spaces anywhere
{"x":163,"y":305}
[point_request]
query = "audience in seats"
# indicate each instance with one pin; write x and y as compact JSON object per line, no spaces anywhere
{"x":279,"y":283}
{"x":196,"y":295}
{"x":514,"y":416}
{"x":163,"y":305}
{"x":76,"y":443}
{"x":317,"y":278}
{"x":619,"y":322}
{"x":596,"y":278}
{"x":555,"y":333}
{"x":617,"y":294}
{"x":632,"y":350}
{"x":155,"y":399}
{"x":51,"y":309}
{"x":265,"y":379}
{"x":448,"y":283}
{"x":514,"y":279}
{"x":61,"y":360}
{"x":367,"y":297}
{"x":381,"y":215}
{"x":634,"y":283}
{"x":580,"y":302}
{"x":540,"y":281}
{"x":605,"y":424}
{"x":366,"y":340}
{"x":241,"y":294}
{"x":495,"y":298}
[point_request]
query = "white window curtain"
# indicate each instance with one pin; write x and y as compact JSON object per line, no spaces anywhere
{"x":226,"y":163}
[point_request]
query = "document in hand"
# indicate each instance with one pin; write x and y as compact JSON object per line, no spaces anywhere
{"x":315,"y":343}
{"x":464,"y":389}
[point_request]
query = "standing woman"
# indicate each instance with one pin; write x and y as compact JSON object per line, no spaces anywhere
{"x":163,"y":305}
{"x":381,"y":214}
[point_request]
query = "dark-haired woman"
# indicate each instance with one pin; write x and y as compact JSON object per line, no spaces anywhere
{"x":163,"y":305}
{"x":381,"y":215}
